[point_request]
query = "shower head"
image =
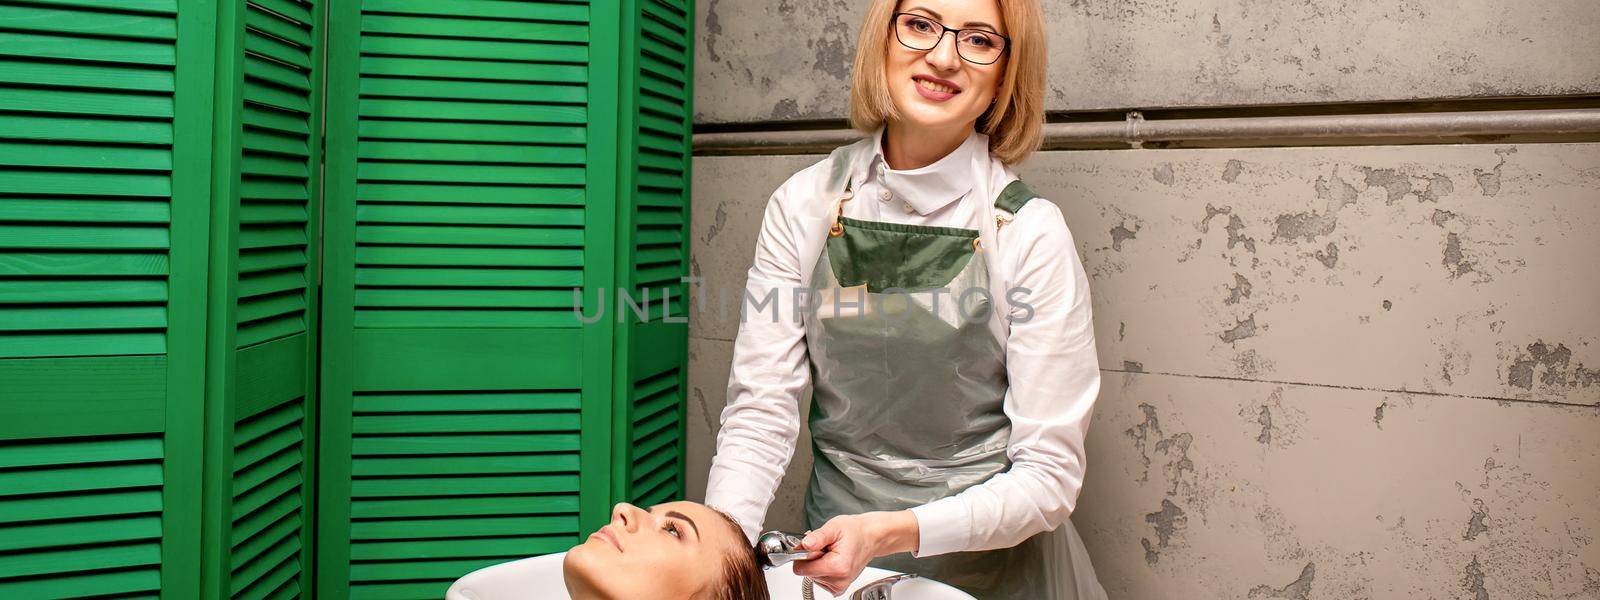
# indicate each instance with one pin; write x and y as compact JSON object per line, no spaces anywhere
{"x":777,"y":548}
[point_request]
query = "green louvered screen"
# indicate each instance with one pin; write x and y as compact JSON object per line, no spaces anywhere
{"x":276,"y":170}
{"x":163,"y":317}
{"x":103,"y":207}
{"x":117,"y":191}
{"x":471,"y":187}
{"x":81,"y":517}
{"x":269,"y":540}
{"x":655,"y":244}
{"x":655,"y":439}
{"x":87,"y":144}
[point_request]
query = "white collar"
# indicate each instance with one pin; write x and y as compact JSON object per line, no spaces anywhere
{"x":930,"y":188}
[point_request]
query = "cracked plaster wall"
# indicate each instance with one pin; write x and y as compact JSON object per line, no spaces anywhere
{"x":1364,"y":372}
{"x":790,"y":59}
{"x":1329,"y":372}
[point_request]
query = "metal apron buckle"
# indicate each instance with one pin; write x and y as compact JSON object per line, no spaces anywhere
{"x":837,"y":229}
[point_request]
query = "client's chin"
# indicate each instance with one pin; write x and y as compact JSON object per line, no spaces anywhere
{"x":581,"y":567}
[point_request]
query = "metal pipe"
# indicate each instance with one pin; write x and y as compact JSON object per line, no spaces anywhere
{"x":1135,"y":130}
{"x":811,"y":141}
{"x":1438,"y":124}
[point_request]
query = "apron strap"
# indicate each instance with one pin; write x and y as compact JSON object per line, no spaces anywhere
{"x":1011,"y":199}
{"x":1014,"y":196}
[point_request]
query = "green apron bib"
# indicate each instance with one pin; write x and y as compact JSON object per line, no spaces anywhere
{"x":908,"y":383}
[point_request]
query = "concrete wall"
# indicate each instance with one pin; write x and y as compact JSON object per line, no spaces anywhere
{"x":765,"y":61}
{"x":1329,"y":372}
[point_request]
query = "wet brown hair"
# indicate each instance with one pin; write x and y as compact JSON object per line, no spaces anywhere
{"x":742,"y":577}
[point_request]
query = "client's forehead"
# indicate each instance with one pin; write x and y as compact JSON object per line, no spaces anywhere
{"x":690,"y":509}
{"x":712,"y":525}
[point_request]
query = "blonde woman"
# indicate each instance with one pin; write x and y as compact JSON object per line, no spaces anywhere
{"x":941,"y":319}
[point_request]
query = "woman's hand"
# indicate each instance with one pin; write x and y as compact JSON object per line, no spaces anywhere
{"x":849,"y":541}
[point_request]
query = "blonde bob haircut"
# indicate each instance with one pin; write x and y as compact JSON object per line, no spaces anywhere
{"x":1014,"y":123}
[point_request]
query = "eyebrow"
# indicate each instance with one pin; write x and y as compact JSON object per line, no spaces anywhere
{"x":968,"y":25}
{"x":679,"y":515}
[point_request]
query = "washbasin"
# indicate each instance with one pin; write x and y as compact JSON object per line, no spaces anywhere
{"x":539,"y":577}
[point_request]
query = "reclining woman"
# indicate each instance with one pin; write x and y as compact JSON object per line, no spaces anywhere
{"x":674,"y":550}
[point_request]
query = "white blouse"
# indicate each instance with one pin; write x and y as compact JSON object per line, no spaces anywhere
{"x":1051,"y":363}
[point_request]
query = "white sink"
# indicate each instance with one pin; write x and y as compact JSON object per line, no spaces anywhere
{"x":540,"y":577}
{"x":785,"y":585}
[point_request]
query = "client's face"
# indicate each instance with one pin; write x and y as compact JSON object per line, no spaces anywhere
{"x":674,"y":550}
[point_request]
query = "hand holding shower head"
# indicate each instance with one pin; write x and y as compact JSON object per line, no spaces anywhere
{"x":777,"y":548}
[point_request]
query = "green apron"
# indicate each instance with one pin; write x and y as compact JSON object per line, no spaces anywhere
{"x":908,"y":382}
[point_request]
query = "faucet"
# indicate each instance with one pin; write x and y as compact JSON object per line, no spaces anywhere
{"x":879,"y":590}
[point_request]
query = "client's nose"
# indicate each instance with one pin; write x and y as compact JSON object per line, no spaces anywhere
{"x":627,"y":516}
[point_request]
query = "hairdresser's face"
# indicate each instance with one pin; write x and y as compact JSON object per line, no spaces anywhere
{"x":674,"y":550}
{"x":937,"y":89}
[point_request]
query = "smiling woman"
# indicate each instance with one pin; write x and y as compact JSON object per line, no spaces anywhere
{"x":991,"y":79}
{"x":946,"y":446}
{"x":674,"y":550}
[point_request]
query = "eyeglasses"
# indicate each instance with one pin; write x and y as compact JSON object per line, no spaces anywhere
{"x":976,"y":46}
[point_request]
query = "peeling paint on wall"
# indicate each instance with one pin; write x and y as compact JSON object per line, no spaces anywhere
{"x":1554,"y":367}
{"x":1240,"y":330}
{"x":1231,"y":171}
{"x":1383,"y":423}
{"x":1121,"y":233}
{"x":1167,"y":523}
{"x":1177,"y":450}
{"x":1142,"y":435}
{"x":1474,"y":581}
{"x":1367,"y":500}
{"x":1265,"y":419}
{"x":1489,"y":181}
{"x":1329,"y":256}
{"x":1307,"y":225}
{"x":1163,"y":173}
{"x":1299,"y":589}
{"x":1476,"y":525}
{"x":1340,"y":270}
{"x":1454,"y":260}
{"x":1395,"y":185}
{"x":1238,"y":291}
{"x":1236,"y":234}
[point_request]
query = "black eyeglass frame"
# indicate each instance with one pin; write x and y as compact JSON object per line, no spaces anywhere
{"x":894,"y":23}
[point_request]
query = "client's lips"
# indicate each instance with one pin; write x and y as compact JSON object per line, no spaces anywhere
{"x":606,"y":534}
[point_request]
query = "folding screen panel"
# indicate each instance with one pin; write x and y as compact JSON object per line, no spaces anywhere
{"x":654,"y":247}
{"x":472,"y":186}
{"x":276,"y":74}
{"x":157,"y":297}
{"x":104,"y":175}
{"x":162,"y":301}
